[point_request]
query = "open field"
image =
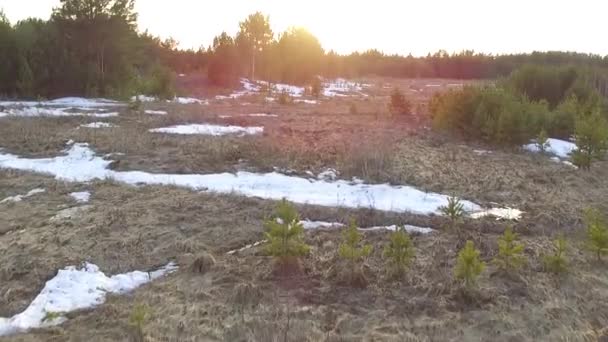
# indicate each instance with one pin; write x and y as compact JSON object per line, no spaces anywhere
{"x":125,"y":228}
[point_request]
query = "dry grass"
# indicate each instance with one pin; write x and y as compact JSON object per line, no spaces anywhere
{"x":127,"y":228}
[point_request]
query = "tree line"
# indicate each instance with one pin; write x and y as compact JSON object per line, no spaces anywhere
{"x":94,"y":48}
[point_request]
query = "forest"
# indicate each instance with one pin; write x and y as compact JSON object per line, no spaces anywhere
{"x":94,"y":48}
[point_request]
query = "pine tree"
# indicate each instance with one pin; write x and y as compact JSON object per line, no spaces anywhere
{"x":454,"y":211}
{"x":351,"y":251}
{"x":400,"y":251}
{"x":591,"y":134}
{"x":284,"y":233}
{"x":557,"y":262}
{"x":468,"y":266}
{"x":542,"y":141}
{"x":597,"y":233}
{"x":399,"y":103}
{"x":510,"y":253}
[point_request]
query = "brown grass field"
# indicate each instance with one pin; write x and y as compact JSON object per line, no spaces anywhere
{"x":240,"y":297}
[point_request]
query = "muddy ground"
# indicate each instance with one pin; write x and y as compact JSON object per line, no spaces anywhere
{"x":124,"y":228}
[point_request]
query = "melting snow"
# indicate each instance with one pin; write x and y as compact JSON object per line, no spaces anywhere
{"x":408,"y":228}
{"x":65,"y":102}
{"x":98,"y":125}
{"x":557,"y":147}
{"x":80,"y":164}
{"x":81,"y":197}
{"x":319,"y":224}
{"x":76,"y":289}
{"x":329,"y":174}
{"x":51,"y":112}
{"x":254,"y":115}
{"x":341,"y":87}
{"x":156,"y":112}
{"x":188,"y":100}
{"x":20,"y":198}
{"x":143,"y":98}
{"x":180,"y":100}
{"x":305,"y":101}
{"x":206,"y":129}
{"x":499,"y":213}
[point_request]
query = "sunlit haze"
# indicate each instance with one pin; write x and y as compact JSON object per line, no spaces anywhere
{"x":402,"y":27}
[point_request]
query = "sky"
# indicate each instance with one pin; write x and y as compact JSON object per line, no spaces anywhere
{"x":391,"y":26}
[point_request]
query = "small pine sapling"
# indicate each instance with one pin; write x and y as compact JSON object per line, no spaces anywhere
{"x":597,"y":233}
{"x":399,"y":103}
{"x":510,"y":252}
{"x":591,"y":136}
{"x":454,"y":211}
{"x":284,"y":233}
{"x":556,"y":262}
{"x":399,"y":252}
{"x":352,"y":252}
{"x":138,"y":318}
{"x":316,"y":87}
{"x":285,"y":98}
{"x":468,"y":265}
{"x":542,"y":141}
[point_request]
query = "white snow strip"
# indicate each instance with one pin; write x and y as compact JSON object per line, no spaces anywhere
{"x":341,"y":87}
{"x":312,"y":102}
{"x":262,"y":115}
{"x":19,"y":198}
{"x":408,"y":228}
{"x":156,"y":112}
{"x":328,"y":174}
{"x":309,"y":225}
{"x":499,"y":214}
{"x":80,"y":164}
{"x":206,"y":129}
{"x":52,"y":112}
{"x":98,"y":125}
{"x":320,"y":224}
{"x":75,"y":289}
{"x":557,"y":147}
{"x":188,"y":100}
{"x":65,"y":102}
{"x":144,"y":98}
{"x":81,"y":197}
{"x":254,"y":115}
{"x":246,"y":247}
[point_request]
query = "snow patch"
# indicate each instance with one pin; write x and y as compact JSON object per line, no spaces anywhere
{"x":408,"y":228}
{"x":81,"y":197}
{"x":144,"y":98}
{"x":76,"y":289}
{"x":557,"y":147}
{"x":341,"y":87}
{"x":206,"y":129}
{"x":70,"y":213}
{"x":98,"y":125}
{"x":80,"y":164}
{"x":499,"y":214}
{"x":65,"y":102}
{"x":311,"y":102}
{"x":254,"y":115}
{"x":188,"y":100}
{"x":19,"y":198}
{"x":51,"y":112}
{"x":156,"y":112}
{"x":329,"y":174}
{"x":320,"y":224}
